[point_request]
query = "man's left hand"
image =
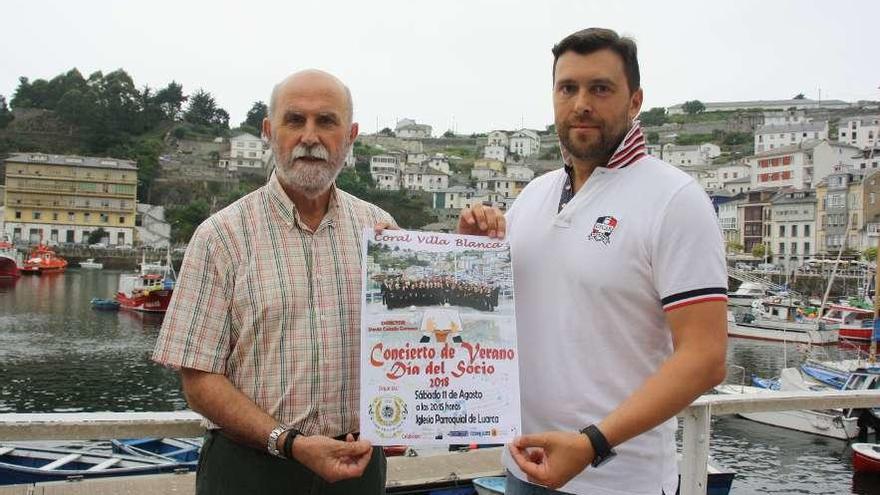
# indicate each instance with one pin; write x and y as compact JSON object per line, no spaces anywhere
{"x":552,"y":458}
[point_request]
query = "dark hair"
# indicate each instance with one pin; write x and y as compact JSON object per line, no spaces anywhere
{"x":592,"y":40}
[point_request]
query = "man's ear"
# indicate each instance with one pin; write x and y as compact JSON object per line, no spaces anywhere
{"x":635,"y":103}
{"x":267,"y":128}
{"x":354,"y":132}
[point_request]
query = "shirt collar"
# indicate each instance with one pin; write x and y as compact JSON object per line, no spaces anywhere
{"x":287,"y":209}
{"x":630,"y":150}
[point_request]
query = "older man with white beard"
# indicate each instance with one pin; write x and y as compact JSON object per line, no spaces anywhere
{"x":264,"y":322}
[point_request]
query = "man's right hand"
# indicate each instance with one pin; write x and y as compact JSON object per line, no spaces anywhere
{"x":482,"y":220}
{"x":333,"y":460}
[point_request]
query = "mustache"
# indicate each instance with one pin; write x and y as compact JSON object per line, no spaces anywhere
{"x":316,"y":151}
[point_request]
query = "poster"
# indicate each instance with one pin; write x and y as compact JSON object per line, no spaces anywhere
{"x":439,"y":362}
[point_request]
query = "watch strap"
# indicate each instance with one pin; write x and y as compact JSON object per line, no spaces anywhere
{"x":288,"y":442}
{"x":272,"y":441}
{"x":601,"y":447}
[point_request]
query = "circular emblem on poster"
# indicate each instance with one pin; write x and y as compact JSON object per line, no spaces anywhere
{"x":388,"y":413}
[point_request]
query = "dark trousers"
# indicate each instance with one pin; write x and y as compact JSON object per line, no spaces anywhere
{"x":227,"y":468}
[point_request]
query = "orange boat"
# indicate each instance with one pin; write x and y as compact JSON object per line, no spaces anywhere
{"x":43,"y":260}
{"x":10,"y":259}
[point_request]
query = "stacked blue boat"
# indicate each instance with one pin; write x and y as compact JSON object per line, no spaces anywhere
{"x":35,"y":463}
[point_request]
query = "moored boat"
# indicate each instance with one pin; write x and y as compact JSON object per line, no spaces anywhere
{"x":33,"y":464}
{"x":91,"y":264}
{"x":10,"y":260}
{"x":104,"y":304}
{"x":853,"y":323}
{"x":184,"y":450}
{"x":43,"y":260}
{"x":866,"y":457}
{"x":149,"y":290}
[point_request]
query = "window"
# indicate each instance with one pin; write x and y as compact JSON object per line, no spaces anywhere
{"x":793,"y":248}
{"x":54,"y":215}
{"x":121,"y":220}
{"x":18,"y":215}
{"x":781,"y":248}
{"x":71,"y":216}
{"x":104,"y":218}
{"x":807,"y":248}
{"x":782,"y":231}
{"x":37,"y":215}
{"x":86,"y":216}
{"x":794,"y":230}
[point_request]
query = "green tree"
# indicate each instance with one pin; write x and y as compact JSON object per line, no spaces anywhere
{"x":693,"y":107}
{"x":255,"y":115}
{"x":759,"y":251}
{"x":653,"y":137}
{"x":734,"y":247}
{"x":870,"y":254}
{"x":185,"y":218}
{"x":386,"y":131}
{"x":799,"y":96}
{"x":203,"y":110}
{"x":5,"y":115}
{"x":654,"y":117}
{"x":171,"y":99}
{"x":449,"y":134}
{"x":97,"y":236}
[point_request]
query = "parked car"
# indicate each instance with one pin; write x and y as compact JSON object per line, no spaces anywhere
{"x":743,"y":266}
{"x":98,"y":245}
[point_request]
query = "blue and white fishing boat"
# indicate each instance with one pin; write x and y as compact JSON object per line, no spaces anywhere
{"x":104,"y":304}
{"x":33,"y":464}
{"x":183,"y":450}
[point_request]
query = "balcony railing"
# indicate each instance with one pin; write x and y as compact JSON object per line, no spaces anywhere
{"x":695,"y":438}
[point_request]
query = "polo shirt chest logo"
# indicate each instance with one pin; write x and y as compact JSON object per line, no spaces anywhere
{"x":602,"y":229}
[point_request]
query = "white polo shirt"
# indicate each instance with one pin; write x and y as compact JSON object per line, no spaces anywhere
{"x":592,"y":284}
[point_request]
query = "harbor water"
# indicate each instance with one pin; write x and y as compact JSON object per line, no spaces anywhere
{"x":59,"y":355}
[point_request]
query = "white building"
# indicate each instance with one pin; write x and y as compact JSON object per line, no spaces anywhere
{"x":507,"y":187}
{"x":495,"y":152}
{"x":416,"y":157}
{"x":770,"y":105}
{"x":525,"y":142}
{"x":862,"y":131}
{"x":787,"y":117}
{"x":409,"y":129}
{"x":423,"y":178}
{"x":792,"y":226}
{"x":828,"y":154}
{"x":498,"y":138}
{"x":439,"y":163}
{"x":385,"y":170}
{"x":520,"y":172}
{"x":770,"y":137}
{"x":739,"y":186}
{"x":789,"y":166}
{"x":458,"y":197}
{"x":730,"y":172}
{"x":728,"y":219}
{"x":866,"y":159}
{"x":689,"y":156}
{"x":246,"y":151}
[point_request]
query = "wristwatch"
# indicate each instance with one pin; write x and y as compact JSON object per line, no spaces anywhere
{"x":272,"y":443}
{"x":601,"y":447}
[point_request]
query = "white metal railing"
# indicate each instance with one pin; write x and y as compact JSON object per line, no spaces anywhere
{"x":695,"y":437}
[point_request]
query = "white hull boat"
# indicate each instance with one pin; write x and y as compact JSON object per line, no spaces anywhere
{"x":831,"y":424}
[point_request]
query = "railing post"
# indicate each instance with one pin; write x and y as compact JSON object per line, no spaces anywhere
{"x":695,"y":450}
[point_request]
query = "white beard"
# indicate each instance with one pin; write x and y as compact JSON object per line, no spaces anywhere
{"x":311,"y":178}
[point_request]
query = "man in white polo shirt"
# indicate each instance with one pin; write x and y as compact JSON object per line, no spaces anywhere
{"x":621,"y":289}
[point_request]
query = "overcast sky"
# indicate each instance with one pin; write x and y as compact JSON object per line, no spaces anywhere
{"x":479,"y":65}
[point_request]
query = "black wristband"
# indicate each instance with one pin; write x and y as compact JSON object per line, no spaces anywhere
{"x":288,"y":442}
{"x":601,"y":448}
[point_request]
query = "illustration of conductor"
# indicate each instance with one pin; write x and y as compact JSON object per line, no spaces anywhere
{"x":440,"y":323}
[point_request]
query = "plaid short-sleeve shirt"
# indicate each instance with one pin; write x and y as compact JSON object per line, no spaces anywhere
{"x":275,"y":307}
